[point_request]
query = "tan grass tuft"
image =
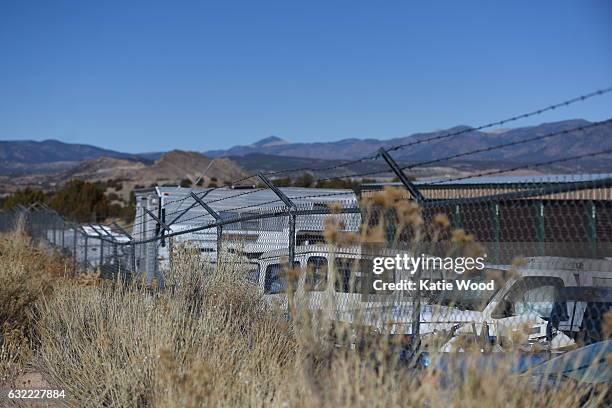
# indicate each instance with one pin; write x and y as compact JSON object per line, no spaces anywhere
{"x":606,"y":325}
{"x":441,"y":221}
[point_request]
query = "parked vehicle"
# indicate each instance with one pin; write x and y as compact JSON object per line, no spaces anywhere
{"x":348,"y":296}
{"x":553,"y":301}
{"x":586,"y":365}
{"x":313,"y":286}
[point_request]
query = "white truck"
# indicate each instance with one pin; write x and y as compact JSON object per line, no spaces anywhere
{"x":348,"y":295}
{"x":552,"y":301}
{"x":536,"y":299}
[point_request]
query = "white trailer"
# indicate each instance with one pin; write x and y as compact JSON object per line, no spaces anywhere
{"x":252,"y":237}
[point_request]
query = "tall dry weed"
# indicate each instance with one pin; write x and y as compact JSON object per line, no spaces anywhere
{"x":28,"y":272}
{"x":212,"y":339}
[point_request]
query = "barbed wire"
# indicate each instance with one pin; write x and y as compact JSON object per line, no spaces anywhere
{"x":486,"y":149}
{"x":236,"y":209}
{"x":401,"y":146}
{"x":525,"y":166}
{"x":201,"y":195}
{"x":500,"y":171}
{"x":505,"y":121}
{"x":210,"y":189}
{"x":323,"y":195}
{"x":514,"y":118}
{"x":239,"y":208}
{"x":509,"y":144}
{"x":250,"y":216}
{"x":329,"y":168}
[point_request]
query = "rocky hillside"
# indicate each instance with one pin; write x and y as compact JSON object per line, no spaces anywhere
{"x":171,"y":168}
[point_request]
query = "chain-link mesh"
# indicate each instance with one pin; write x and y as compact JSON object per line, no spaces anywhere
{"x":545,"y":246}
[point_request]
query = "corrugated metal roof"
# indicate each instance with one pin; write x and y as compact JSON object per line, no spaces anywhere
{"x":489,"y":180}
{"x":104,"y":231}
{"x":231,"y":202}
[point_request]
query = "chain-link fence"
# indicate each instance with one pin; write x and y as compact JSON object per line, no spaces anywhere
{"x":92,"y":248}
{"x":529,"y":266}
{"x":488,"y":261}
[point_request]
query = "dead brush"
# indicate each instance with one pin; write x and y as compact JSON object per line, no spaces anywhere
{"x":212,"y":339}
{"x":28,"y":273}
{"x":356,"y":364}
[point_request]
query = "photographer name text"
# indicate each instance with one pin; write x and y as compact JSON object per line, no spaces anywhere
{"x":429,"y":285}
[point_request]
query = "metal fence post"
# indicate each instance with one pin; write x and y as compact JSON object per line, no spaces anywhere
{"x":86,"y":252}
{"x":130,"y":262}
{"x":114,"y":254}
{"x":291,"y":207}
{"x":115,"y":261}
{"x":160,"y":229}
{"x":540,"y":227}
{"x":74,"y":249}
{"x":170,"y":256}
{"x":101,"y":251}
{"x":414,"y":191}
{"x":134,"y":263}
{"x":457,"y":216}
{"x":292,"y":222}
{"x":219,"y":242}
{"x":54,"y":226}
{"x":496,"y":229}
{"x":591,"y":215}
{"x":217,"y":218}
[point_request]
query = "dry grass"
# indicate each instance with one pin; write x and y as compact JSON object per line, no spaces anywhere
{"x":27,"y":273}
{"x":212,"y":339}
{"x":209,"y":338}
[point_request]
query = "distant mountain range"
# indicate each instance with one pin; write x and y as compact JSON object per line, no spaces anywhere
{"x":61,"y":160}
{"x":574,"y":143}
{"x":27,"y":156}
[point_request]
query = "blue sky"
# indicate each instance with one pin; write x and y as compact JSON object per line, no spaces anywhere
{"x":142,"y":76}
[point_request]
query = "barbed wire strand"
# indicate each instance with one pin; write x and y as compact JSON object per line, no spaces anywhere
{"x":487,"y":149}
{"x":514,"y":118}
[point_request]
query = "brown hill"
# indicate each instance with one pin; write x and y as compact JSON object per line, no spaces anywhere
{"x":177,"y":165}
{"x":105,"y":168}
{"x":171,"y":168}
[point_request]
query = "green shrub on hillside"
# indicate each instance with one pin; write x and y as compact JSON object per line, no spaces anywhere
{"x":77,"y":200}
{"x":24,"y":197}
